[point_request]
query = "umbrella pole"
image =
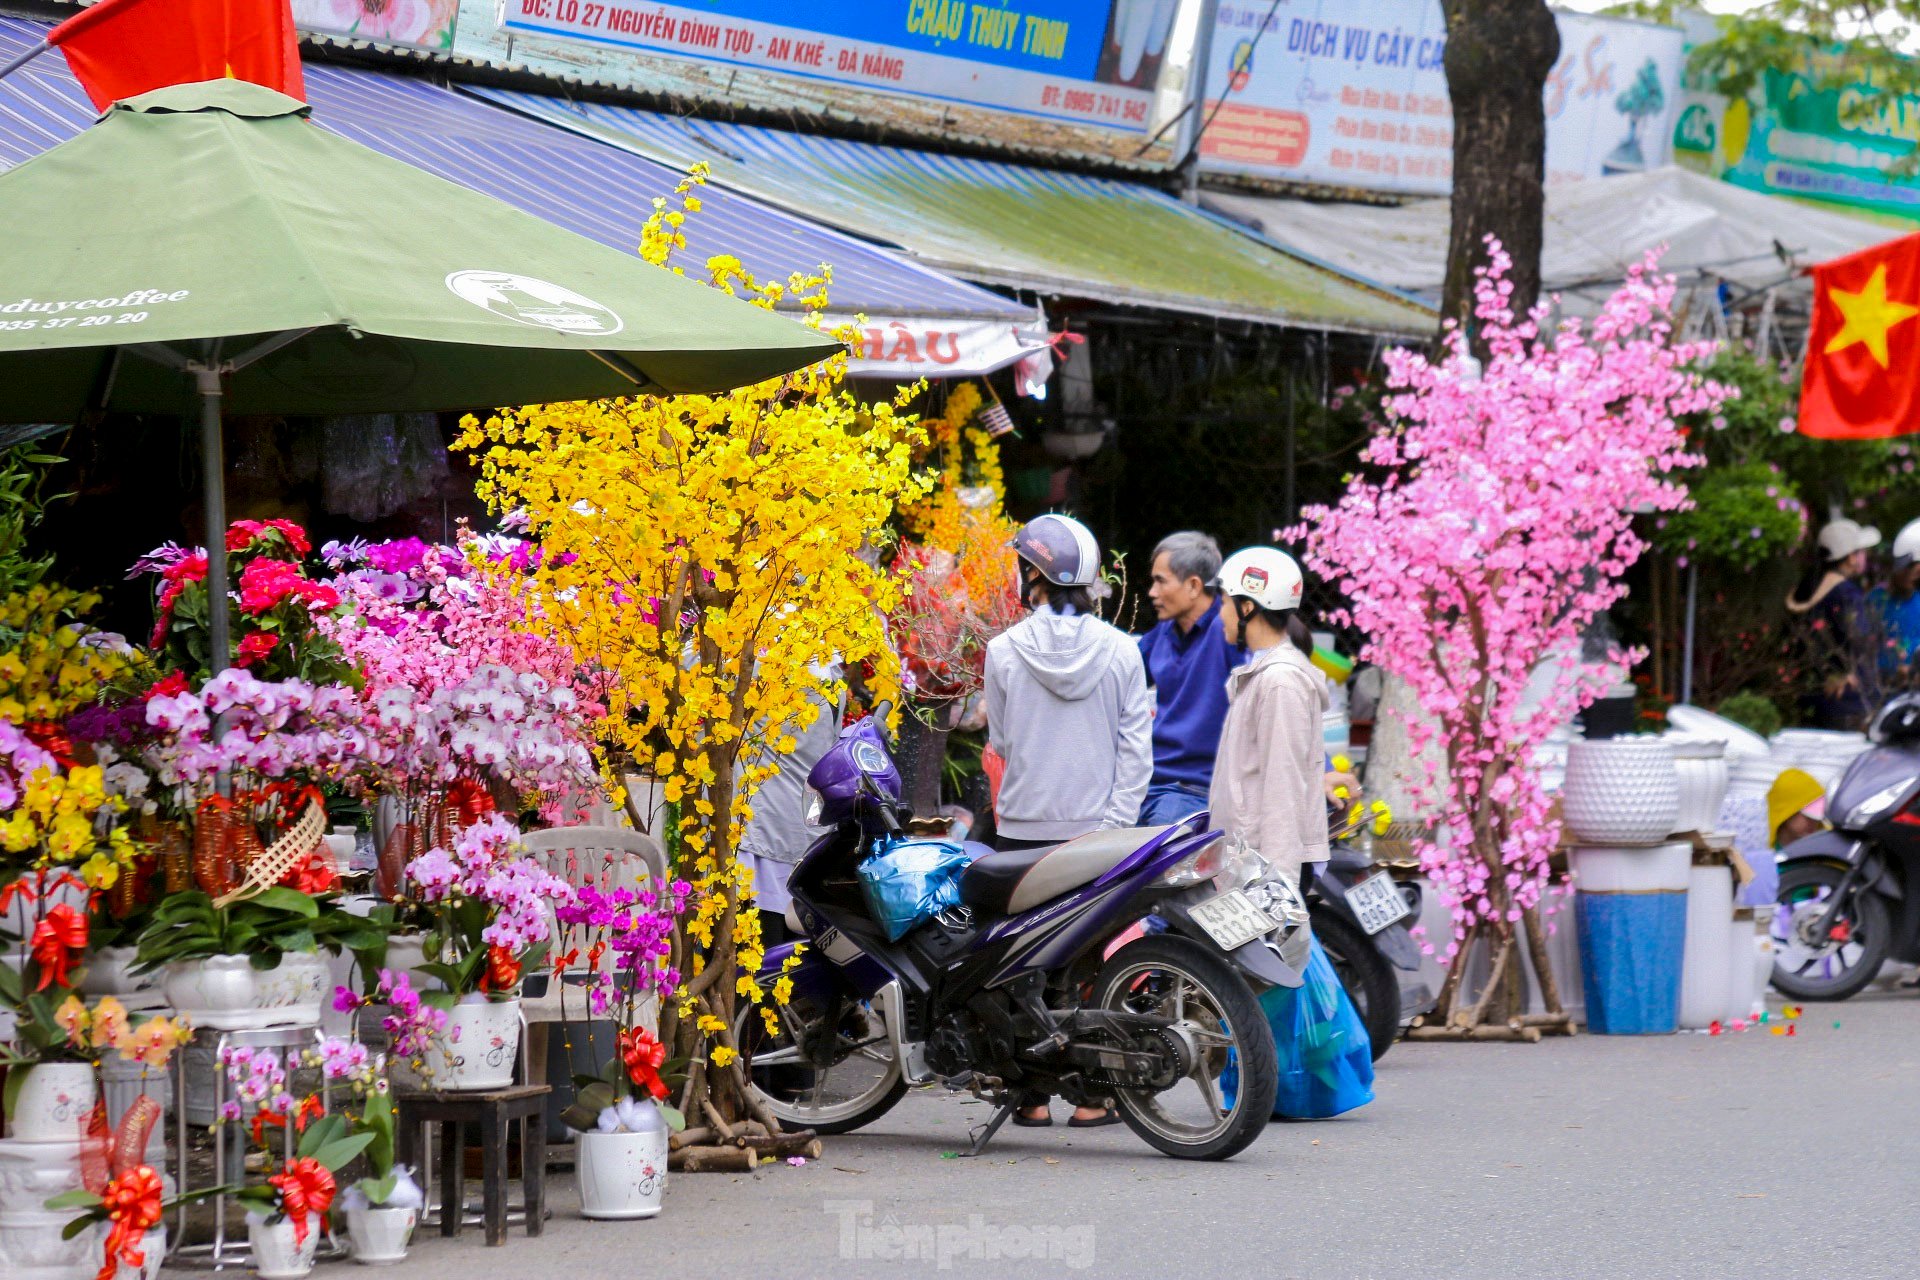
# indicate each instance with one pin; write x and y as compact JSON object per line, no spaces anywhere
{"x":213,"y":482}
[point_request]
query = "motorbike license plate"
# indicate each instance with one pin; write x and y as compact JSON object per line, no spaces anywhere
{"x":1377,"y":902}
{"x":1232,"y":920}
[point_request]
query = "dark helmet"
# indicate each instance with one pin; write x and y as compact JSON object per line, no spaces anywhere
{"x":1898,"y":723}
{"x":1061,"y":548}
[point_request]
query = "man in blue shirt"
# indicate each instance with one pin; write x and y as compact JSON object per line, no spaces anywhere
{"x":1188,"y":658}
{"x":1898,"y":602}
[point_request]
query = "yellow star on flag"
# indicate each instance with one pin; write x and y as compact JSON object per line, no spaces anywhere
{"x":1868,"y":315}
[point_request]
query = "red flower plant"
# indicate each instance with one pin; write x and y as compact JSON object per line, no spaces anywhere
{"x":254,"y":647}
{"x":306,"y":1187}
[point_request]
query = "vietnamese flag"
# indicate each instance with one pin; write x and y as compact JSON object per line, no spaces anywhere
{"x":1862,"y":380}
{"x":123,"y":48}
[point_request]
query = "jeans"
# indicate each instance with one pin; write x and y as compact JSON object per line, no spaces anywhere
{"x":1168,"y":802}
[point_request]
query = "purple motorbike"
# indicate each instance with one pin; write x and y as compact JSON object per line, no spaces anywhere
{"x":1012,"y":989}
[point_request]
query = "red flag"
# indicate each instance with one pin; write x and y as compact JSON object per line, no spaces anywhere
{"x":123,"y":48}
{"x":1862,"y":380}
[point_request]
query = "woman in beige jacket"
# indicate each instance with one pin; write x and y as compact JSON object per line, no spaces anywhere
{"x":1268,"y":780}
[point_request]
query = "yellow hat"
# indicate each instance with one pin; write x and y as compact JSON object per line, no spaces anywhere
{"x":1794,"y":791}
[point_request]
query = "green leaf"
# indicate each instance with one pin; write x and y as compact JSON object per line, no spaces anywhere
{"x":675,"y":1121}
{"x":81,"y":1223}
{"x":336,"y":1155}
{"x":280,"y":898}
{"x":16,"y":1081}
{"x":79,"y":1198}
{"x":379,"y":1190}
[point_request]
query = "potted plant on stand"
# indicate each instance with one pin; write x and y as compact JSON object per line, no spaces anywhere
{"x":621,"y":1114}
{"x":384,"y":1207}
{"x":490,"y":919}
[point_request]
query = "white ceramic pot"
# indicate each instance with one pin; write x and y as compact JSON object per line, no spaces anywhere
{"x":1620,"y":791}
{"x":226,"y":993}
{"x":109,"y":972}
{"x":153,"y":1253}
{"x":340,"y":843}
{"x":622,"y":1175}
{"x":54,"y":1102}
{"x":380,"y":1234}
{"x":478,"y":1048}
{"x":31,"y":1247}
{"x":276,"y":1254}
{"x":1700,"y":768}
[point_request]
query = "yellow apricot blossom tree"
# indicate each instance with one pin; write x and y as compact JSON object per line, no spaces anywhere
{"x":705,"y":551}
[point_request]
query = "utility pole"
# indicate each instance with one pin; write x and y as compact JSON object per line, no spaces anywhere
{"x":1196,"y":115}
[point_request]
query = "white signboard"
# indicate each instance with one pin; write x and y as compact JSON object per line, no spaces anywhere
{"x":1353,"y":93}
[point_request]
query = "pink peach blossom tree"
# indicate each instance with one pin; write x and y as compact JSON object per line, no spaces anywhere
{"x":1493,"y":521}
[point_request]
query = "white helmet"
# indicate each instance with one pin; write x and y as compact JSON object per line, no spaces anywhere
{"x":1267,"y":576}
{"x":1841,"y":538}
{"x":1906,"y":545}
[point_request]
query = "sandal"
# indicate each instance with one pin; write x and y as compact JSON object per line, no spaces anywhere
{"x":1033,"y":1122}
{"x":1107,"y":1117}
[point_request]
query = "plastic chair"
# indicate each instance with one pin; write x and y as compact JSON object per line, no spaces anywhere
{"x":605,"y":857}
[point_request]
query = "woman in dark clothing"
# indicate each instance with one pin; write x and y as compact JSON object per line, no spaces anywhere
{"x":1840,"y":628}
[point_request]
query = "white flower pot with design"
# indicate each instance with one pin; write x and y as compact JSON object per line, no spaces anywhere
{"x":622,"y":1175}
{"x":226,"y":993}
{"x":1620,"y":791}
{"x":277,"y":1255}
{"x":478,"y":1048}
{"x":53,"y":1102}
{"x":380,"y":1234}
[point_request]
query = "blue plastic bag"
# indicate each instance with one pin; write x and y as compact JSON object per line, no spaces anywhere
{"x":907,"y":881}
{"x":1326,"y":1060}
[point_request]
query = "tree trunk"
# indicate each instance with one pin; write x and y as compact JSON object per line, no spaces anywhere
{"x":1497,"y":59}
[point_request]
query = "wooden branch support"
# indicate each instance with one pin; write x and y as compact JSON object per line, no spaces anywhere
{"x":1552,"y":1024}
{"x":712,"y":1160}
{"x":1496,"y":1031}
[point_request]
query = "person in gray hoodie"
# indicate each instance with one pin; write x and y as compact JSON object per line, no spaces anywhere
{"x":1067,"y":701}
{"x":1069,"y":710}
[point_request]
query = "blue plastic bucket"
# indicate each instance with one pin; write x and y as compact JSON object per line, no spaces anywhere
{"x":1631,"y":908}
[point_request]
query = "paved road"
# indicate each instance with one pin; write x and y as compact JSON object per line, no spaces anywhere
{"x":1684,"y":1156}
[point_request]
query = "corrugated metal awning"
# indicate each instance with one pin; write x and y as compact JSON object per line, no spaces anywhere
{"x":599,"y":191}
{"x":1010,"y":225}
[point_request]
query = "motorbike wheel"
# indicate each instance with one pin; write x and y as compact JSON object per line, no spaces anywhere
{"x":1364,"y":972}
{"x":861,"y":1083}
{"x":1221,"y":1028}
{"x":1809,"y":968}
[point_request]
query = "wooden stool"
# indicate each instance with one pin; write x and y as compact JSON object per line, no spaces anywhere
{"x":495,"y":1111}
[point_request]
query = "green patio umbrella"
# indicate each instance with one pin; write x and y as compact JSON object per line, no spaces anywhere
{"x":208,"y":240}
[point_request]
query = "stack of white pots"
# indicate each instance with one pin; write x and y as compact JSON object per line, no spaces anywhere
{"x":40,"y":1159}
{"x":1823,"y":753}
{"x":1700,"y":764}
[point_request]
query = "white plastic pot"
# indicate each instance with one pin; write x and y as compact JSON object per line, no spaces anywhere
{"x":478,"y":1048}
{"x":380,"y":1234}
{"x":54,"y":1102}
{"x":1620,"y":791}
{"x":276,"y":1255}
{"x":622,"y":1175}
{"x":1707,"y":983}
{"x":226,"y":993}
{"x":1700,"y":767}
{"x":32,"y":1245}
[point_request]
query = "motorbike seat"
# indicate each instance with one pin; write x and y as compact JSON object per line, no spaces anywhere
{"x":1006,"y":884}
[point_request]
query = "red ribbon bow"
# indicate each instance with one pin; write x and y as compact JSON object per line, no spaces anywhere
{"x":471,"y":799}
{"x":305,"y":1187}
{"x":561,"y":961}
{"x":502,"y":972}
{"x":132,"y":1202}
{"x":58,"y":940}
{"x":644,"y":1057}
